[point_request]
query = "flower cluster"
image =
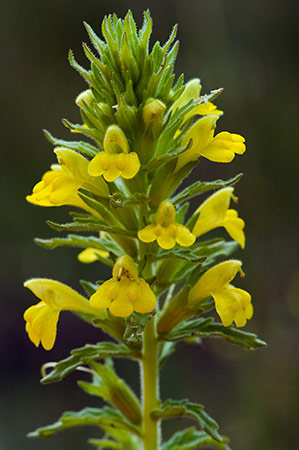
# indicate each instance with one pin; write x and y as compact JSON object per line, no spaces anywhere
{"x":146,"y":133}
{"x":130,"y":157}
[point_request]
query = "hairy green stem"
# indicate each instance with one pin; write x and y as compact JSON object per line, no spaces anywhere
{"x":150,"y":379}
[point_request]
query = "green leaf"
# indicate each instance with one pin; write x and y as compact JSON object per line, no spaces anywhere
{"x":119,"y":200}
{"x":187,"y":329}
{"x":86,"y":354}
{"x":80,"y":146}
{"x":89,"y":225}
{"x":128,"y":440}
{"x":211,"y":250}
{"x":156,"y":162}
{"x":74,"y":240}
{"x":202,"y":186}
{"x":108,"y":385}
{"x":179,"y":408}
{"x":87,"y":416}
{"x":182,"y":253}
{"x":89,"y":287}
{"x":204,"y":328}
{"x":212,"y":95}
{"x":105,"y":443}
{"x":191,"y":439}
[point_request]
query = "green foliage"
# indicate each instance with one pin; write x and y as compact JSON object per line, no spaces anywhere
{"x":179,"y":408}
{"x":79,"y":146}
{"x":75,"y":240}
{"x":108,"y":385}
{"x":200,"y":187}
{"x":88,"y":416}
{"x":206,"y":327}
{"x":89,"y":223}
{"x":85,"y":355}
{"x":190,"y":439}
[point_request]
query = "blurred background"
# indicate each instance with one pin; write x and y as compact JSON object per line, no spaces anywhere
{"x":250,"y":49}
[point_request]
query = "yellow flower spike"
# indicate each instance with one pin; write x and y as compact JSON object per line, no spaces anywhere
{"x":153,"y":110}
{"x":125,"y":292}
{"x":165,"y":230}
{"x":232,"y":304}
{"x":116,"y":160}
{"x":41,"y":319}
{"x":221,"y":148}
{"x":59,"y":186}
{"x":90,"y":255}
{"x":214,"y":213}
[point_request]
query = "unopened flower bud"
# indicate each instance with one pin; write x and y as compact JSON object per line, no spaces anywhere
{"x":153,"y":110}
{"x":115,"y":140}
{"x":85,"y":97}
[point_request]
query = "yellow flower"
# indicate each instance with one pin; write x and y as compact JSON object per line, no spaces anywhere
{"x":220,"y":148}
{"x":41,"y":319}
{"x":192,"y":92}
{"x":125,"y":292}
{"x":232,"y":304}
{"x":59,"y":186}
{"x":90,"y":255}
{"x":165,"y":230}
{"x":115,"y":160}
{"x":214,"y":213}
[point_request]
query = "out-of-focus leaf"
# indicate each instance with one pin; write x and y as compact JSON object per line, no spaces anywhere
{"x":191,"y":439}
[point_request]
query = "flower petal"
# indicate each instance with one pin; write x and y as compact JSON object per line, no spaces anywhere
{"x":183,"y":236}
{"x":233,"y":305}
{"x":201,"y":133}
{"x":214,"y":280}
{"x":99,"y":164}
{"x":131,"y":165}
{"x":90,"y":255}
{"x":234,"y":225}
{"x":144,"y":300}
{"x":166,"y":239}
{"x":148,"y":234}
{"x":57,"y":295}
{"x":212,"y":211}
{"x":104,"y":295}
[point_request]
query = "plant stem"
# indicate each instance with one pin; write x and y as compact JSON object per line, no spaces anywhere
{"x":150,"y":378}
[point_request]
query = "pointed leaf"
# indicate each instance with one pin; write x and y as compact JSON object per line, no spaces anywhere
{"x":94,"y":225}
{"x":86,"y":354}
{"x":182,"y":253}
{"x":202,"y":186}
{"x":74,"y":240}
{"x":80,"y":146}
{"x":87,"y":416}
{"x":208,"y":328}
{"x":191,"y":439}
{"x":178,"y":408}
{"x":105,"y":443}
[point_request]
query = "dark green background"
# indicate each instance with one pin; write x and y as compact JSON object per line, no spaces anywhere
{"x":251,"y":49}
